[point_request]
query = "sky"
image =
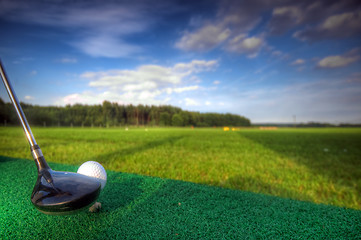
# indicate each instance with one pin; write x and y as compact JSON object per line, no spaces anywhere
{"x":271,"y":61}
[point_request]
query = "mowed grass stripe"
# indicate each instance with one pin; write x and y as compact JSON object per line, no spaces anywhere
{"x":318,"y":165}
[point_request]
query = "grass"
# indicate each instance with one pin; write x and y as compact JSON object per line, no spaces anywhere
{"x":316,"y":165}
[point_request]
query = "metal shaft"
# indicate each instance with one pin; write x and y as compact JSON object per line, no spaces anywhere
{"x":35,"y":149}
{"x":19,"y":110}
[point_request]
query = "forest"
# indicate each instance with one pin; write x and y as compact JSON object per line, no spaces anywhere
{"x":110,"y":114}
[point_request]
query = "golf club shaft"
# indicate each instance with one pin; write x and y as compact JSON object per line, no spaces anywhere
{"x":19,"y":110}
{"x":35,"y":149}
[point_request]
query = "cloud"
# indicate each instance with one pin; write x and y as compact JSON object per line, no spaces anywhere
{"x":298,"y":62}
{"x":147,"y":84}
{"x":33,"y":73}
{"x":195,"y":66}
{"x":338,"y":61}
{"x":232,"y":20}
{"x":324,"y":18}
{"x":204,"y":39}
{"x":29,"y":97}
{"x":182,"y":89}
{"x":148,"y":76}
{"x":244,"y":44}
{"x":100,"y":26}
{"x":216,"y":82}
{"x":336,"y":26}
{"x":90,"y":97}
{"x":105,"y":46}
{"x":285,"y":17}
{"x":236,"y":18}
{"x":234,"y":25}
{"x":68,"y":60}
{"x":191,"y":102}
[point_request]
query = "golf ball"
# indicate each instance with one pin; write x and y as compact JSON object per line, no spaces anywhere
{"x":94,"y":169}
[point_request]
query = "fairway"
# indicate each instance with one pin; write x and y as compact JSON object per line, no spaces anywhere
{"x":315,"y":165}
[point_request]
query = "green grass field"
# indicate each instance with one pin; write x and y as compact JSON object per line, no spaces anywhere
{"x":316,"y":165}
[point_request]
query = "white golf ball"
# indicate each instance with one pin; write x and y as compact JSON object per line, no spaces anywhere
{"x":94,"y":169}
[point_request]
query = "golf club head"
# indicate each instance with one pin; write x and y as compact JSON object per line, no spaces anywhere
{"x":59,"y":193}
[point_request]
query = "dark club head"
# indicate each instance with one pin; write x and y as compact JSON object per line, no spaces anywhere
{"x":60,"y":193}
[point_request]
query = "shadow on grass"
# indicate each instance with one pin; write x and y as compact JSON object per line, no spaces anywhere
{"x":120,"y":155}
{"x":333,"y":155}
{"x":120,"y":193}
{"x":4,"y":159}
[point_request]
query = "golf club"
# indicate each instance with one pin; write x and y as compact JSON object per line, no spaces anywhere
{"x":54,"y":192}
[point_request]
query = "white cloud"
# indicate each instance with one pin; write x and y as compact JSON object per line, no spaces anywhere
{"x":182,"y":89}
{"x":105,"y":46}
{"x":144,"y":77}
{"x":191,"y":102}
{"x":234,"y":18}
{"x":340,"y":20}
{"x":339,"y":25}
{"x":148,"y":76}
{"x":147,"y":84}
{"x":203,"y":39}
{"x":231,"y":20}
{"x":90,"y":97}
{"x":34,"y":72}
{"x":298,"y":62}
{"x":68,"y":60}
{"x":285,"y":17}
{"x":315,"y":20}
{"x":101,"y":28}
{"x":216,"y":82}
{"x":195,"y":66}
{"x":244,"y":44}
{"x":294,"y":12}
{"x":251,"y":43}
{"x":337,"y":61}
{"x":29,"y":97}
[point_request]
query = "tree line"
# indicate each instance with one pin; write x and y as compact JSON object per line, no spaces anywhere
{"x":110,"y":114}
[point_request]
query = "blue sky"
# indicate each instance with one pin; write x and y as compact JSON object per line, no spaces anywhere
{"x":266,"y":60}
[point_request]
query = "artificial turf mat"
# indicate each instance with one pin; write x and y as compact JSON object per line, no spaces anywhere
{"x":138,"y":207}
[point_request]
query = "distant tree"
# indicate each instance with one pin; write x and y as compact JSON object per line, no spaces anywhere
{"x":113,"y":114}
{"x":5,"y":115}
{"x":177,"y":120}
{"x":185,"y":117}
{"x":164,"y":119}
